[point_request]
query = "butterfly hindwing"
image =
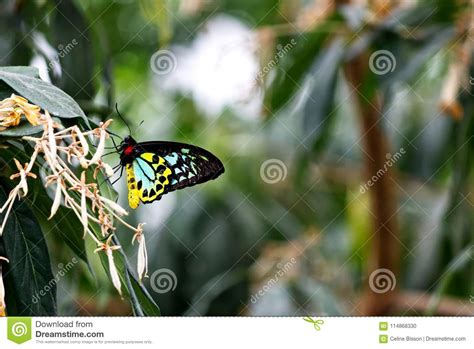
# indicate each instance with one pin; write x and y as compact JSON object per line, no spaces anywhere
{"x":162,"y":167}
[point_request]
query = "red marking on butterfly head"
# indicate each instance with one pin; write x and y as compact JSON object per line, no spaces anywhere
{"x":128,"y":150}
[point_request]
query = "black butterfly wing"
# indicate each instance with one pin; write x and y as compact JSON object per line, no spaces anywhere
{"x":189,"y":164}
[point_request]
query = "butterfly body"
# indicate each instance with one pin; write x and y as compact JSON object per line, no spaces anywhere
{"x":156,"y":168}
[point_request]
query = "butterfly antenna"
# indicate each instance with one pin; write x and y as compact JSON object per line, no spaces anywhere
{"x":110,"y":152}
{"x":114,"y":134}
{"x":123,"y":119}
{"x":117,"y":148}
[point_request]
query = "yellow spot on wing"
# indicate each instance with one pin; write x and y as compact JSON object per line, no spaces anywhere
{"x":158,"y":187}
{"x":147,"y":156}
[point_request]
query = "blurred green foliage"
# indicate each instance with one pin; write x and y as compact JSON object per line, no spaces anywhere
{"x":224,"y":240}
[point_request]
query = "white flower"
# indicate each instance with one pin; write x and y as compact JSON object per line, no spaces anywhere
{"x":112,"y":268}
{"x":52,"y":140}
{"x":22,"y":173}
{"x":57,"y":199}
{"x":101,"y":146}
{"x":83,"y":141}
{"x":142,"y":262}
{"x":114,"y":206}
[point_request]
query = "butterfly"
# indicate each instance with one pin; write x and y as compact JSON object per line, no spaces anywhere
{"x":156,"y":168}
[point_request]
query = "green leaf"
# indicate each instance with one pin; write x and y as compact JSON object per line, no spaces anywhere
{"x":407,"y":68}
{"x":71,"y":36}
{"x":41,"y":93}
{"x":29,"y":271}
{"x":203,"y":299}
{"x":5,"y":91}
{"x":443,"y":11}
{"x":457,"y":220}
{"x":159,"y":12}
{"x":24,"y":129}
{"x":65,"y":222}
{"x":254,"y":13}
{"x":318,"y":111}
{"x":296,"y":62}
{"x":147,"y":304}
{"x":140,"y":299}
{"x":23,"y":70}
{"x":13,"y":23}
{"x":455,"y":266}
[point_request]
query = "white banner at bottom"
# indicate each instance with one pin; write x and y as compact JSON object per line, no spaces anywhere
{"x":237,"y":332}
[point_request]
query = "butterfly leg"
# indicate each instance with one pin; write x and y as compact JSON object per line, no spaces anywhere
{"x":121,"y":173}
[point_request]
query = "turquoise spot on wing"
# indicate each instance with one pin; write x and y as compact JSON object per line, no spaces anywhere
{"x":177,"y":170}
{"x":140,"y":165}
{"x":172,"y":159}
{"x":144,"y":172}
{"x":185,"y":151}
{"x":173,"y":181}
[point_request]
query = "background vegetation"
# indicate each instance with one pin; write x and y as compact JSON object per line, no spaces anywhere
{"x":293,"y":85}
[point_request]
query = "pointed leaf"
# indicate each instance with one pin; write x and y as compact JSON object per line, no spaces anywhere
{"x":71,"y":36}
{"x":24,"y":129}
{"x":318,"y":112}
{"x":29,"y":273}
{"x":140,"y":299}
{"x":41,"y":93}
{"x":24,"y":70}
{"x":293,"y":66}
